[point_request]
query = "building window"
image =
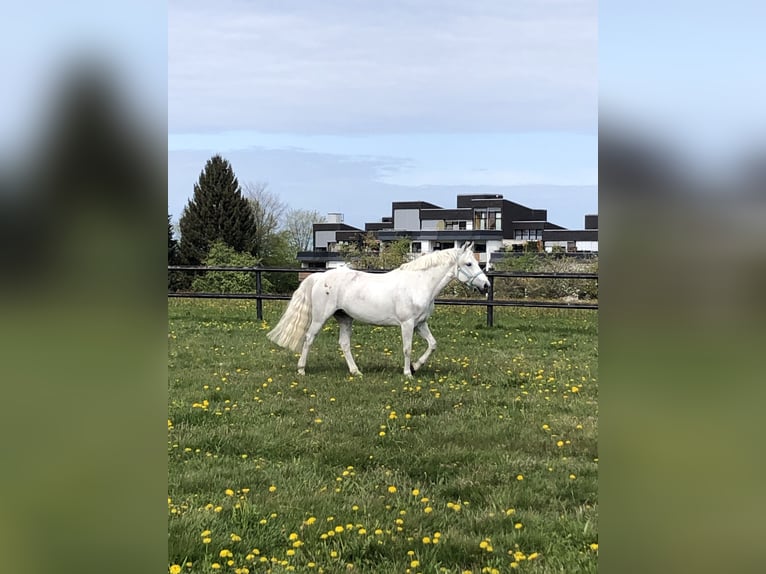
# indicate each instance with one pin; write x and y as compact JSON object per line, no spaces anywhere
{"x":454,"y":225}
{"x":439,"y":245}
{"x":417,"y":247}
{"x":480,"y":248}
{"x":489,"y":218}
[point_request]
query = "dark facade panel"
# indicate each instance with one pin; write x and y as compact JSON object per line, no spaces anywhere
{"x":349,"y":236}
{"x":469,"y":200}
{"x":378,"y":226}
{"x":413,"y":205}
{"x":591,"y":222}
{"x":570,"y":235}
{"x":455,"y":214}
{"x":455,"y":235}
{"x":334,"y":227}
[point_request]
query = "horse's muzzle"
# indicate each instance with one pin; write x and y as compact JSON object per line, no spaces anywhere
{"x":485,"y":290}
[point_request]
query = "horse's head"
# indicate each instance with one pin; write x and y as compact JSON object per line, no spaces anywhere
{"x":467,"y":269}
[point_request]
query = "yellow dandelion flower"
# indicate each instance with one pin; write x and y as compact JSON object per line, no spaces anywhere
{"x":235,"y":537}
{"x":215,"y":566}
{"x":518,"y":526}
{"x":594,"y":547}
{"x":225,"y":553}
{"x":333,"y":554}
{"x":572,"y":476}
{"x":311,"y":565}
{"x":426,"y":540}
{"x":362,"y":531}
{"x":206,"y":540}
{"x":228,"y":492}
{"x":428,"y":510}
{"x":297,"y":544}
{"x":510,"y":511}
{"x":290,"y":552}
{"x":514,"y":564}
{"x":340,"y":528}
{"x":392,"y":489}
{"x":272,"y":488}
{"x":519,"y":477}
{"x":293,"y":536}
{"x":310,"y":520}
{"x":205,"y":533}
{"x":414,"y":564}
{"x":533,"y":556}
{"x":378,"y":532}
{"x":174,"y":568}
{"x":415,"y":492}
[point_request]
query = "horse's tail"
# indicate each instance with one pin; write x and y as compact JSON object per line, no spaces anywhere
{"x":292,"y":327}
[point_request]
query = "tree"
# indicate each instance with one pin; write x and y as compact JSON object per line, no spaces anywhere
{"x":172,"y":245}
{"x":299,"y":227}
{"x":176,"y":279}
{"x":217,"y":212}
{"x":268,"y":210}
{"x":371,"y":253}
{"x":227,"y":281}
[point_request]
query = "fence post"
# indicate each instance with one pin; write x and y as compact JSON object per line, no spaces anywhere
{"x":258,"y":292}
{"x":490,"y":299}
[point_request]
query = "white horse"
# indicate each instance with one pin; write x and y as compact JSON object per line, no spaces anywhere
{"x":404,"y":297}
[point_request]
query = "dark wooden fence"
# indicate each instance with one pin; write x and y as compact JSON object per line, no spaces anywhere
{"x":490,"y":302}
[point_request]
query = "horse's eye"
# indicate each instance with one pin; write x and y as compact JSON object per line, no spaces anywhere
{"x":468,"y":264}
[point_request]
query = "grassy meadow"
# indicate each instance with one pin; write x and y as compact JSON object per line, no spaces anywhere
{"x":486,"y":461}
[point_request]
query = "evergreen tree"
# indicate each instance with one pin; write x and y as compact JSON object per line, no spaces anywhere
{"x":172,"y":245}
{"x":217,"y":212}
{"x":177,"y":280}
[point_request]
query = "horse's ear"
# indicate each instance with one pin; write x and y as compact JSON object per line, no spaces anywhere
{"x":468,"y":246}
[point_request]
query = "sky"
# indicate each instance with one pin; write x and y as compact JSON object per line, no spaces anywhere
{"x":345,"y":106}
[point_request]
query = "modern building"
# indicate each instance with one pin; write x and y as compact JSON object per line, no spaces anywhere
{"x":491,"y":222}
{"x":574,"y":240}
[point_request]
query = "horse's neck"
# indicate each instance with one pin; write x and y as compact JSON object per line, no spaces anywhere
{"x":436,"y":278}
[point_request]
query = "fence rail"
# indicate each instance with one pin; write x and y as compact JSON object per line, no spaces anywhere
{"x":490,"y":302}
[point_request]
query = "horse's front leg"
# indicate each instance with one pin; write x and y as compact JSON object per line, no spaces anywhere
{"x":425,"y":332}
{"x":407,"y":329}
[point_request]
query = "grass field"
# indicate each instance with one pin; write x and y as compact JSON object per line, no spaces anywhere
{"x":485,"y":461}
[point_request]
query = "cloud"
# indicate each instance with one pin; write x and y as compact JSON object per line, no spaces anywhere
{"x":346,"y":67}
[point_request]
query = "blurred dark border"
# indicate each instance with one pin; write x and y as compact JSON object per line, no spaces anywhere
{"x":682,"y":282}
{"x":83,"y":219}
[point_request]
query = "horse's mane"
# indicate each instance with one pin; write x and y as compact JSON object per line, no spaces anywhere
{"x":431,"y":260}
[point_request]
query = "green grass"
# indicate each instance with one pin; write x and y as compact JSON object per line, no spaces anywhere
{"x":500,"y":418}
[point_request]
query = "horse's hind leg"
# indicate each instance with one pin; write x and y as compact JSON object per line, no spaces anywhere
{"x":344,"y":339}
{"x":425,"y":332}
{"x":317,"y":322}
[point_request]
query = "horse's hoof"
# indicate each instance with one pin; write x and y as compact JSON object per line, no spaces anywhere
{"x":301,"y":371}
{"x":356,"y":373}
